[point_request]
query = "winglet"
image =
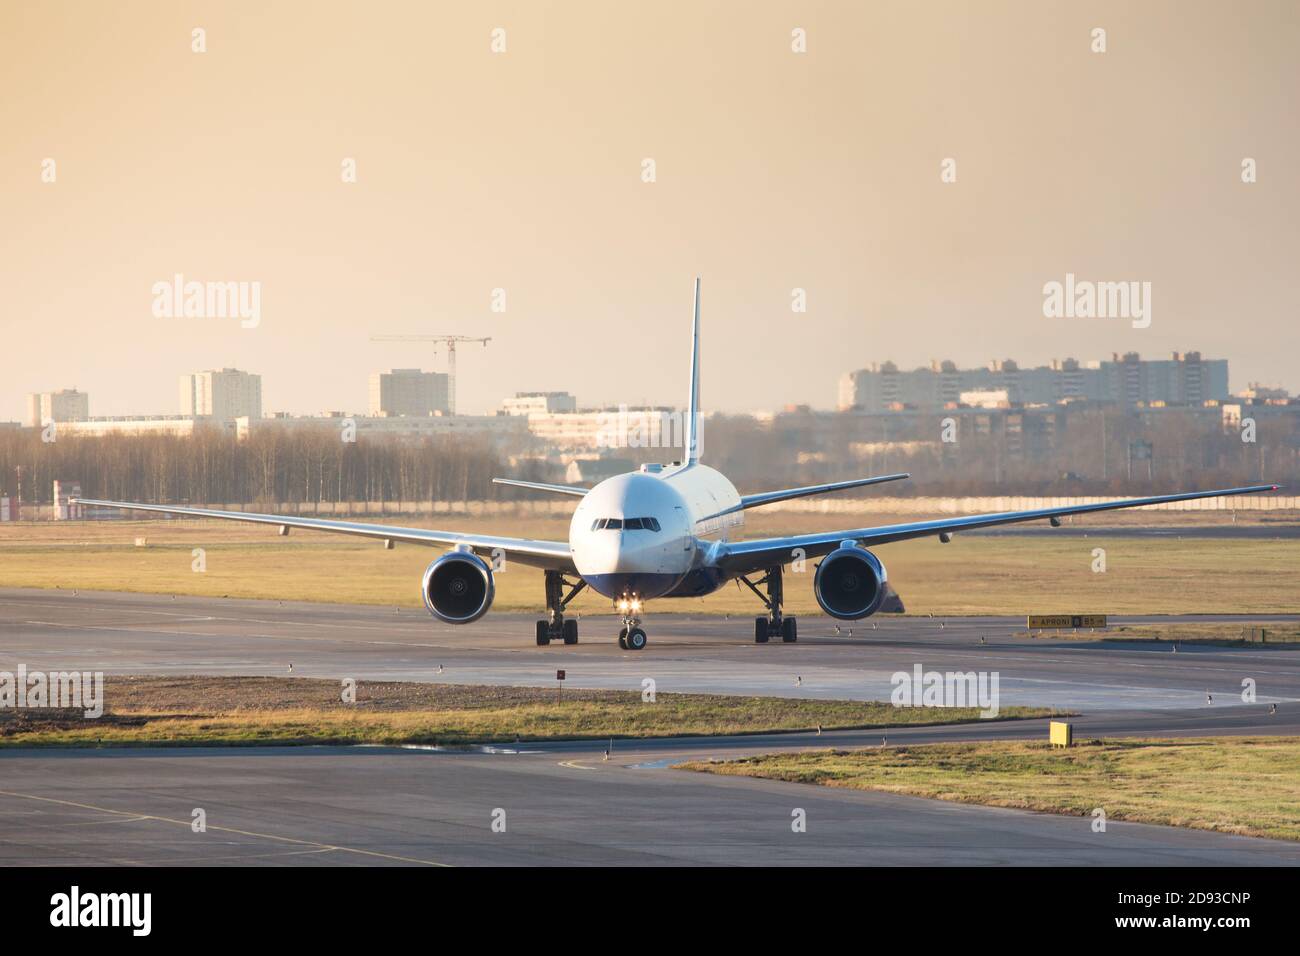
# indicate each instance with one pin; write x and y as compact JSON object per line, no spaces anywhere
{"x":692,"y":429}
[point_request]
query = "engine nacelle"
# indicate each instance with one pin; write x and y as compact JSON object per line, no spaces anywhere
{"x":850,"y":583}
{"x":458,"y":587}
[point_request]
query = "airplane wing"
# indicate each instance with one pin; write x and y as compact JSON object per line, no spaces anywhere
{"x":768,"y":497}
{"x":542,"y":486}
{"x":743,"y":557}
{"x":551,"y":555}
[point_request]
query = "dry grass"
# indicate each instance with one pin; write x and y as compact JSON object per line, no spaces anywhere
{"x":273,"y":710}
{"x":972,"y":575}
{"x":1232,"y":635}
{"x":1248,"y":786}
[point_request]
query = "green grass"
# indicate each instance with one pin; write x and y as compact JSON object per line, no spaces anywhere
{"x":972,"y":575}
{"x":198,"y":711}
{"x":1235,"y":785}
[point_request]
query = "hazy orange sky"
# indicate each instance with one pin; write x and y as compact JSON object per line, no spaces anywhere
{"x":522,"y":170}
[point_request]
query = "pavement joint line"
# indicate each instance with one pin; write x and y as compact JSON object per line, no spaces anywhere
{"x":415,"y":620}
{"x":261,"y":637}
{"x":136,"y":816}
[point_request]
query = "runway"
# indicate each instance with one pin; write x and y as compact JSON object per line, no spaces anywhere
{"x":564,"y":803}
{"x":150,"y":634}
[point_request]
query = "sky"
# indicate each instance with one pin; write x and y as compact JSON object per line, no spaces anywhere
{"x":524,"y":170}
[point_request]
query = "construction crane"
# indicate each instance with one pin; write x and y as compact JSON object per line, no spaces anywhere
{"x":450,"y":341}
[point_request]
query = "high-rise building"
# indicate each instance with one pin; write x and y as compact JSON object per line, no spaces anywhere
{"x":1128,"y":380}
{"x":68,"y":405}
{"x":1183,"y":379}
{"x":408,"y":391}
{"x":223,"y":394}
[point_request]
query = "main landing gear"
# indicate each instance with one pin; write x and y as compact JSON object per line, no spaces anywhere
{"x":630,"y":636}
{"x":555,"y":627}
{"x":775,"y":624}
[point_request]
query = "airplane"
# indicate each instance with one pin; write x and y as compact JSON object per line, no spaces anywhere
{"x":665,"y":531}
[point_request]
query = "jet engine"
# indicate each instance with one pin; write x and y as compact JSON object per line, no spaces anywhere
{"x":850,"y":583}
{"x":458,"y":587}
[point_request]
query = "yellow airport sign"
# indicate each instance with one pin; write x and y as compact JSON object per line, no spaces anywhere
{"x":1040,"y":621}
{"x":1061,"y":734}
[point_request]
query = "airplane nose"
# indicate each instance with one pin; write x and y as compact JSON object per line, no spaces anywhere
{"x":600,"y":553}
{"x":616,"y":563}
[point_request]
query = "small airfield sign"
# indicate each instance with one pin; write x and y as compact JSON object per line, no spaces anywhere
{"x":1042,"y":621}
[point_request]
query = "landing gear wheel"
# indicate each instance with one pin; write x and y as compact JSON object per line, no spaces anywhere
{"x":760,"y":630}
{"x":555,"y":627}
{"x":789,"y":630}
{"x":622,"y":638}
{"x":636,"y":639}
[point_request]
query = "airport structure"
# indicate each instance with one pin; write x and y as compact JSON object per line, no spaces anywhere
{"x":67,"y":405}
{"x":144,"y":425}
{"x":223,"y":394}
{"x":539,"y":403}
{"x":408,"y":392}
{"x":1129,"y":380}
{"x":540,"y":420}
{"x":491,"y":427}
{"x":607,"y":428}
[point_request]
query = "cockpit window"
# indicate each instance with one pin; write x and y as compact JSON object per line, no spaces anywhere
{"x":625,"y":524}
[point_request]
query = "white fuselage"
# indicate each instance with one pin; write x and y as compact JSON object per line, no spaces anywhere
{"x":674,"y":517}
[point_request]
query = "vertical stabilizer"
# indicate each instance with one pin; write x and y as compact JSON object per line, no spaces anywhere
{"x":692,"y":430}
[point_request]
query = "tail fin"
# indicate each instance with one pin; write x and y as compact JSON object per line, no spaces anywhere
{"x":692,"y":430}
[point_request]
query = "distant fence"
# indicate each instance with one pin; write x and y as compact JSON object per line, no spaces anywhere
{"x":982,"y":505}
{"x":342,"y":509}
{"x":831,"y":504}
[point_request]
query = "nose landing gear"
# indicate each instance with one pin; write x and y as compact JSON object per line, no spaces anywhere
{"x":630,"y":636}
{"x":555,"y":627}
{"x":775,"y":624}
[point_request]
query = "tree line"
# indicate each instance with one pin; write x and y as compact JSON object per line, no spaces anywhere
{"x":1051,"y":452}
{"x":271,"y":465}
